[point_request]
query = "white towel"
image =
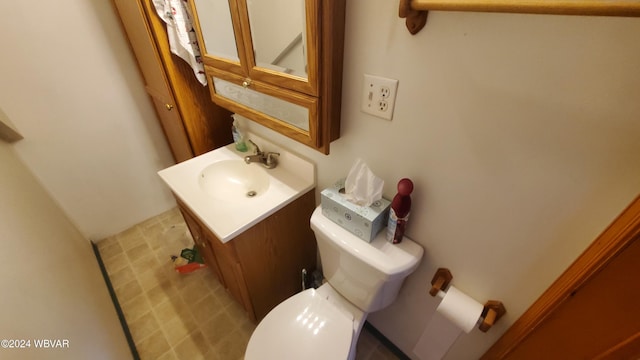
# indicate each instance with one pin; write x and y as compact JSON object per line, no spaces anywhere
{"x":182,"y":35}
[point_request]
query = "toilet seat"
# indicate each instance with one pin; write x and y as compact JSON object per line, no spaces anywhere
{"x":305,"y":326}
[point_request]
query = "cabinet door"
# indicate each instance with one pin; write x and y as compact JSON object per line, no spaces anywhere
{"x":200,"y":239}
{"x":172,"y":127}
{"x":272,"y":41}
{"x":232,"y":273}
{"x":219,"y":34}
{"x":135,"y":24}
{"x":281,"y":42}
{"x":274,"y":252}
{"x":288,"y":112}
{"x":221,"y":258}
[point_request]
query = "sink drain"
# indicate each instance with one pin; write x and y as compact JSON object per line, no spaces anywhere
{"x":251,"y":193}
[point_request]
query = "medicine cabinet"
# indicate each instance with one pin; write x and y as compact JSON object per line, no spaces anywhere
{"x":276,"y":62}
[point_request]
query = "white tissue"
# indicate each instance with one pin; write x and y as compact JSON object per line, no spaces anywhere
{"x":362,"y":187}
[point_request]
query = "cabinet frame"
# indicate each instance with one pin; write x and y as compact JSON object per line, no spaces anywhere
{"x":325,"y":21}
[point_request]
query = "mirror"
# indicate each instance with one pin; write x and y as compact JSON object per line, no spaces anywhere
{"x":278,"y":31}
{"x":217,"y":29}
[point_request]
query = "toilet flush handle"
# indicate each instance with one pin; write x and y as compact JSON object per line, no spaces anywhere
{"x":304,"y":279}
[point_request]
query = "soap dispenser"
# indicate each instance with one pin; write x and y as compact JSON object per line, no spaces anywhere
{"x":238,"y":136}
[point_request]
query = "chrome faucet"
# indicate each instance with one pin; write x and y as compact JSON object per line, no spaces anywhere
{"x":268,"y":159}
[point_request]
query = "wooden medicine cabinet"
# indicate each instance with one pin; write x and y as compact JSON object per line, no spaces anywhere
{"x":276,"y":62}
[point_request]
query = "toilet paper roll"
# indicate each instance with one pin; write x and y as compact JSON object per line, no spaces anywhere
{"x":456,"y":313}
{"x":460,"y":309}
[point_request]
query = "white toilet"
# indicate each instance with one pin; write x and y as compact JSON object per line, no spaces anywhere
{"x":325,"y":323}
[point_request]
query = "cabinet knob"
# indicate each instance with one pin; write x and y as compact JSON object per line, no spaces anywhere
{"x":168,"y":106}
{"x":246,"y":83}
{"x":196,"y":237}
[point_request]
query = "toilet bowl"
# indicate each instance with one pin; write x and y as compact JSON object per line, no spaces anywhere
{"x":325,"y":323}
{"x":305,"y":326}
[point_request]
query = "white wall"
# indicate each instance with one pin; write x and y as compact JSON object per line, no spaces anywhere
{"x":520,"y":132}
{"x":51,"y":283}
{"x":71,"y":86}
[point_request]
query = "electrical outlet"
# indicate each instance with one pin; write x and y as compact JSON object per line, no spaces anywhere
{"x":379,"y":96}
{"x":385,"y":92}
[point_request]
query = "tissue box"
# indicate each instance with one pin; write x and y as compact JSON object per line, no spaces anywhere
{"x":363,"y":221}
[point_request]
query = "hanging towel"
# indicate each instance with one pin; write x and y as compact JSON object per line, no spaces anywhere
{"x":182,"y":35}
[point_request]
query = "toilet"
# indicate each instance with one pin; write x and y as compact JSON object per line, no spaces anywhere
{"x":325,"y":323}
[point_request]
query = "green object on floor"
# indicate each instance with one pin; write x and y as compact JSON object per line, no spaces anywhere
{"x":193,"y":255}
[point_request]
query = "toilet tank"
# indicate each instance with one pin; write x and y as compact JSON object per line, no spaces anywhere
{"x":369,"y":275}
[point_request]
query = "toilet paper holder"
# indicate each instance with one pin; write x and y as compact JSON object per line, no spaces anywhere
{"x":493,"y":309}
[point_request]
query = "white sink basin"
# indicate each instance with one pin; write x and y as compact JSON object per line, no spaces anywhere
{"x":234,"y":179}
{"x":216,"y":185}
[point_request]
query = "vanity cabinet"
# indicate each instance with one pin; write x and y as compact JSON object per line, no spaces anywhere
{"x":262,"y":266}
{"x":276,"y":62}
{"x":192,"y":124}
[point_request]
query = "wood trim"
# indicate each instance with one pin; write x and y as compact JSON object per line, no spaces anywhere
{"x":557,"y":7}
{"x":312,"y":33}
{"x":620,"y":234}
{"x":626,"y":349}
{"x":331,"y":65}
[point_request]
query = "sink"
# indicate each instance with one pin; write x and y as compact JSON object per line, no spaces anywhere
{"x":233,"y":180}
{"x":230,"y":196}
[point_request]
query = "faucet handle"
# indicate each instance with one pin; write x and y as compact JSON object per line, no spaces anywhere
{"x":256,"y":148}
{"x":270,"y":160}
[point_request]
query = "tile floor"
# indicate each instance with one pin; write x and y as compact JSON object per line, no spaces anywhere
{"x":181,"y":316}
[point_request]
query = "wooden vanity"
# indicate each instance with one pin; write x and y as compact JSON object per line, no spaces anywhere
{"x":262,"y":266}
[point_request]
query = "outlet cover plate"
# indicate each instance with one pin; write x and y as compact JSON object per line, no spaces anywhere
{"x":379,"y":96}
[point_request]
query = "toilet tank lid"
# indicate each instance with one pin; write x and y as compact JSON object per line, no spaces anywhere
{"x":391,"y":259}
